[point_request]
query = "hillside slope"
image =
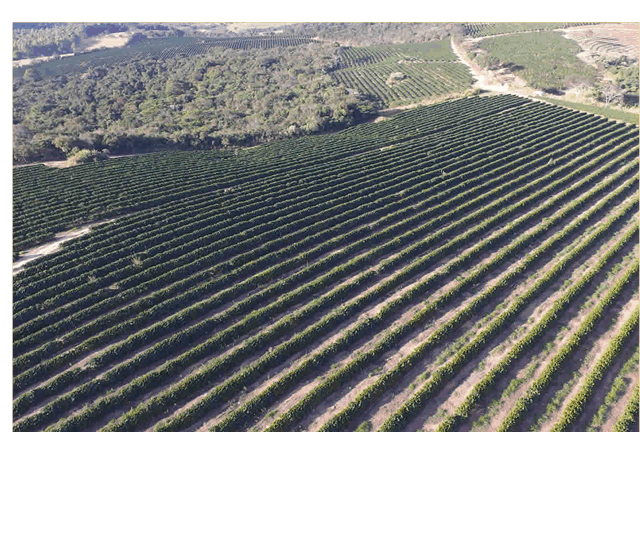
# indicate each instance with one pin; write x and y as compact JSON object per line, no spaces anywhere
{"x":467,"y":265}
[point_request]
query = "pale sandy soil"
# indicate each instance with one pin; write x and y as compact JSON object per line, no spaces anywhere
{"x":239,"y":27}
{"x":41,"y":59}
{"x":484,"y":79}
{"x":53,"y":245}
{"x":113,"y":40}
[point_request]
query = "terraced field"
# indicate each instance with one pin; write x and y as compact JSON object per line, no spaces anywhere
{"x":471,"y":265}
{"x":428,"y":69}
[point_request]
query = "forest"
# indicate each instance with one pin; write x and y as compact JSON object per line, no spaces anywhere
{"x":222,"y":98}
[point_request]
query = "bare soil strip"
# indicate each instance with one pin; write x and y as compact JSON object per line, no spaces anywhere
{"x":54,"y":245}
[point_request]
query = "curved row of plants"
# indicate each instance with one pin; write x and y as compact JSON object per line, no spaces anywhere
{"x":49,"y":332}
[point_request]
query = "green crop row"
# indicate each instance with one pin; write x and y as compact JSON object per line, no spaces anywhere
{"x":358,"y":364}
{"x":577,"y":405}
{"x":629,"y":417}
{"x":542,"y":382}
{"x":488,"y":382}
{"x":445,"y":373}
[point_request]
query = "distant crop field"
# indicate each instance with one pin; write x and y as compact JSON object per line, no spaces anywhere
{"x":466,"y":266}
{"x":428,"y":69}
{"x":159,"y":48}
{"x":489,"y":29}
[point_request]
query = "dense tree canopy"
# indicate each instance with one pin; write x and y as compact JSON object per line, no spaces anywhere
{"x":367,"y":34}
{"x":223,"y":98}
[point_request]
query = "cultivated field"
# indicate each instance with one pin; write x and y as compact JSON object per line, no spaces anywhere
{"x":426,"y":70}
{"x":470,"y":265}
{"x":491,"y":29}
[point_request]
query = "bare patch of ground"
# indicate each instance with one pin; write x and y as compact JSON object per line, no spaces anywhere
{"x":606,"y":41}
{"x":53,"y":245}
{"x":484,"y":79}
{"x":37,"y":60}
{"x":113,"y":40}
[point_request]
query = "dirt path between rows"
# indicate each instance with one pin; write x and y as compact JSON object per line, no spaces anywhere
{"x":54,"y":245}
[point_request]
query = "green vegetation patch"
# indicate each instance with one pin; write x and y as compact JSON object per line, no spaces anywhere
{"x":546,"y":60}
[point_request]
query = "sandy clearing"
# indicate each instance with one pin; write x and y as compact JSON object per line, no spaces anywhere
{"x":114,"y":40}
{"x":37,"y":60}
{"x":54,"y":245}
{"x":484,"y":79}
